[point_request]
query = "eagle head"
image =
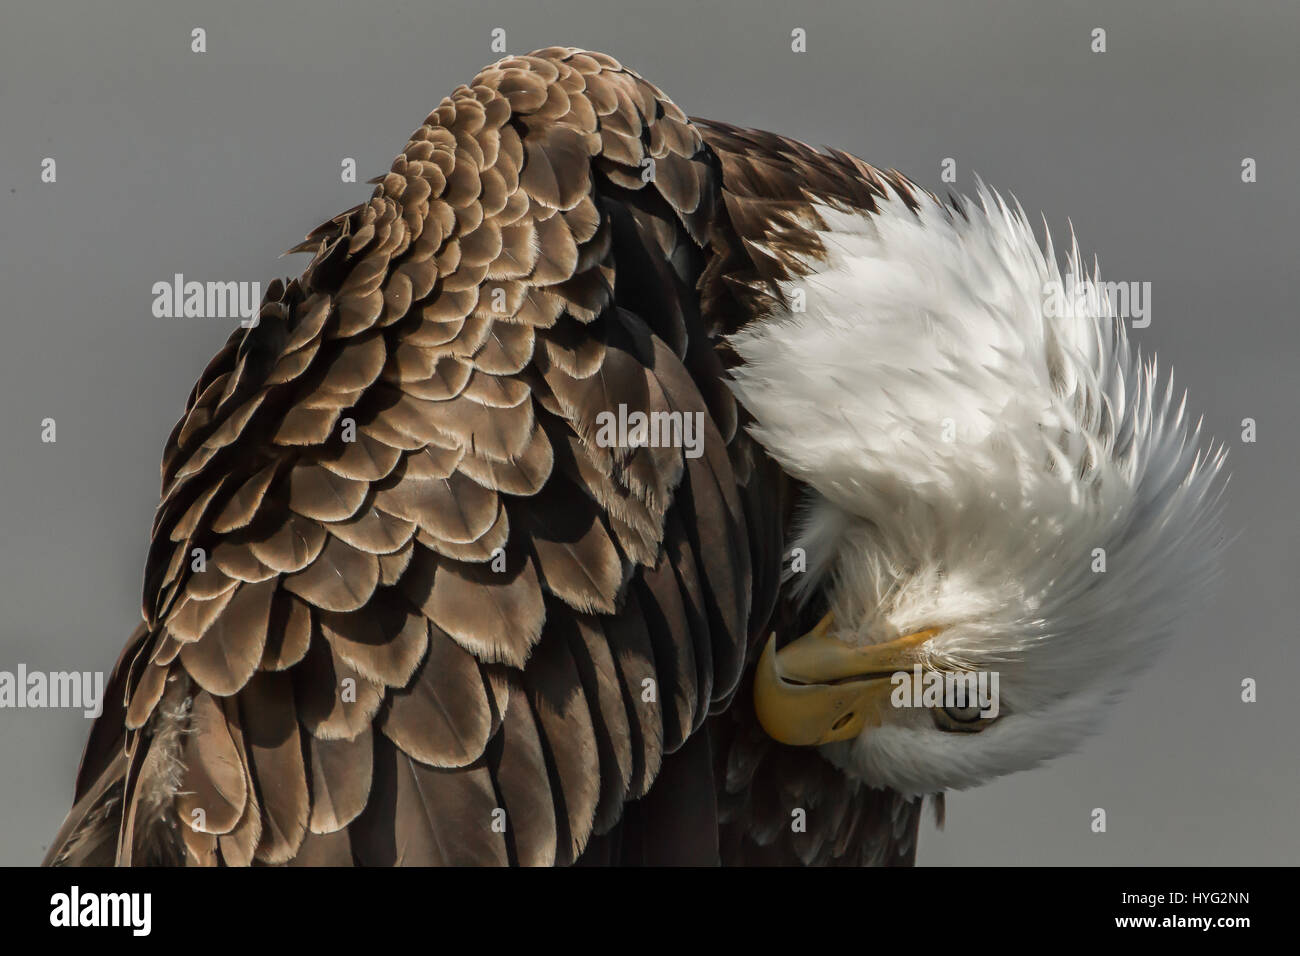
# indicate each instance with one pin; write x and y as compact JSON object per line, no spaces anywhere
{"x":1007,"y":507}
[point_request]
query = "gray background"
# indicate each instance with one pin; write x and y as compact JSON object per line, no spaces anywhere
{"x":212,"y":164}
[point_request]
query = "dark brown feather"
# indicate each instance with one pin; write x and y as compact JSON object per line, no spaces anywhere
{"x":230,"y":651}
{"x":563,"y":719}
{"x":340,"y":780}
{"x":213,"y":791}
{"x":276,"y":763}
{"x":443,"y":716}
{"x":519,"y":767}
{"x":384,"y":644}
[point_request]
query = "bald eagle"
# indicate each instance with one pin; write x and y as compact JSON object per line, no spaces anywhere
{"x":494,"y":539}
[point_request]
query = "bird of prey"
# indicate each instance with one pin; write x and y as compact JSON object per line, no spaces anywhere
{"x":583,"y":498}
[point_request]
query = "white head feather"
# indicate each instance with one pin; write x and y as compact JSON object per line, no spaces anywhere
{"x":969,"y":451}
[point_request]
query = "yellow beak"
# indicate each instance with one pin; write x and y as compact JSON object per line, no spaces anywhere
{"x":818,"y":689}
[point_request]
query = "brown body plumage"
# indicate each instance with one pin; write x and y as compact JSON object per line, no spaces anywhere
{"x":473,"y":605}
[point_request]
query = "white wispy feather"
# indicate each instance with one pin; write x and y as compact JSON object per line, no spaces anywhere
{"x":969,"y":452}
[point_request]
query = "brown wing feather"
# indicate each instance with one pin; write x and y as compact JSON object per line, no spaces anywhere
{"x":387,"y":507}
